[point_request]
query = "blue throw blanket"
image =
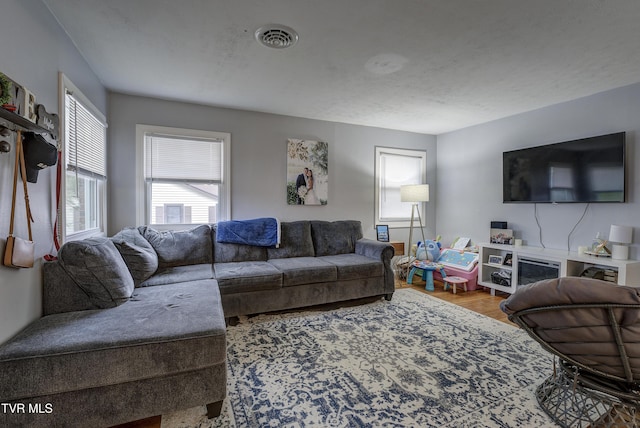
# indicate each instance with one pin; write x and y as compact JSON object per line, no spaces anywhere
{"x":261,"y":232}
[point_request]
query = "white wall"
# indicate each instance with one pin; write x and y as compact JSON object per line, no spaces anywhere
{"x":258,"y":160}
{"x":32,"y":51}
{"x":470,"y":172}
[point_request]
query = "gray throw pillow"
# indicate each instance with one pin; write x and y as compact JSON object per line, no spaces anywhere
{"x":180,"y":247}
{"x":138,"y":254}
{"x":97,"y":267}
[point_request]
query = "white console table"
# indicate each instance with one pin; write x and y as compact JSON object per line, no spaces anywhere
{"x":569,"y":264}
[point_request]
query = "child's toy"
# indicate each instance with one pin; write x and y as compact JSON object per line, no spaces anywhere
{"x":460,"y":263}
{"x":430,"y":262}
{"x":428,"y":250}
{"x":454,"y":280}
{"x":427,"y":268}
{"x":458,"y":259}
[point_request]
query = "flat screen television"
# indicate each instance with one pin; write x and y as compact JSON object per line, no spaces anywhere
{"x":586,"y":170}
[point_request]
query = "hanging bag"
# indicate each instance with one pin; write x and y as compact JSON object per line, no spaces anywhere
{"x":19,"y":253}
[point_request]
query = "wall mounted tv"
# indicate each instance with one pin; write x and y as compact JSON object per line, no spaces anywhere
{"x":586,"y":170}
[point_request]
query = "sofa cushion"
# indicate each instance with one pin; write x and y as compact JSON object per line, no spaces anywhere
{"x":295,"y":241}
{"x":138,"y":254}
{"x":171,"y":275}
{"x":237,"y":277}
{"x":227,"y":252}
{"x":160,"y":331}
{"x":305,"y":270}
{"x":97,"y":267}
{"x":180,"y":247}
{"x":337,"y":237}
{"x":355,"y":266}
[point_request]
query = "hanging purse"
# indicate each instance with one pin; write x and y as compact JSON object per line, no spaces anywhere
{"x":19,"y":253}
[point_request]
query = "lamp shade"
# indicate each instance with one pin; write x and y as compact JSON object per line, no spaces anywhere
{"x":621,"y":234}
{"x":414,"y":193}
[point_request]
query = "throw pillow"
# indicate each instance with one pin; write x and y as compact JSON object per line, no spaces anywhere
{"x":97,"y":267}
{"x":138,"y":254}
{"x":180,"y":247}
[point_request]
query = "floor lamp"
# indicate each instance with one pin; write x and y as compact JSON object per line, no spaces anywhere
{"x":414,"y":193}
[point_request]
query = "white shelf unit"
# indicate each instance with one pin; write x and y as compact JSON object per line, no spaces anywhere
{"x":570,"y":264}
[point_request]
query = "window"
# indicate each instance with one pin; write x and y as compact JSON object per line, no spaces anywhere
{"x":83,"y":186}
{"x":394,"y":168}
{"x":184,"y":176}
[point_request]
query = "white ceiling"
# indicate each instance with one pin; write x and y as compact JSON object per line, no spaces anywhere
{"x":427,"y":66}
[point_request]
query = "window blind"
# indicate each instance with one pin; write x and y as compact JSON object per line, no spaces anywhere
{"x":183,"y":159}
{"x":86,"y":137}
{"x":397,"y":170}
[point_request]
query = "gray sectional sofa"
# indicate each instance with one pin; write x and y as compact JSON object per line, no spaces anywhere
{"x":134,"y":325}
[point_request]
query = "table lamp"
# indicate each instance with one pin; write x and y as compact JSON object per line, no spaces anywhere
{"x":620,"y":237}
{"x":415,"y":193}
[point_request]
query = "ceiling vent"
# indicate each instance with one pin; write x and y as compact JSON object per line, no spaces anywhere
{"x":276,"y":36}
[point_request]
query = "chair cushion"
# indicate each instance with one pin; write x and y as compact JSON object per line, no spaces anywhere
{"x":569,"y":290}
{"x":581,"y":332}
{"x":305,"y":270}
{"x":160,"y":331}
{"x":97,"y":267}
{"x":238,"y":277}
{"x":355,"y":266}
{"x":138,"y":254}
{"x":180,"y":247}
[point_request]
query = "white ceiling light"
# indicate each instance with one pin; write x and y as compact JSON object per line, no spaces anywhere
{"x":276,"y":36}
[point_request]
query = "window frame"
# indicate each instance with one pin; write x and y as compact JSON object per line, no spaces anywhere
{"x":65,"y":86}
{"x":421,"y":156}
{"x":142,"y":209}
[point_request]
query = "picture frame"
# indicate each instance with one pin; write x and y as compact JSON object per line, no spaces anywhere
{"x":382,"y":232}
{"x":508,"y":260}
{"x":307,"y":172}
{"x":495,"y":260}
{"x":501,"y":236}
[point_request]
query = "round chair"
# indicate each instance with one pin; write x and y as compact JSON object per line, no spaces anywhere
{"x":593,"y":328}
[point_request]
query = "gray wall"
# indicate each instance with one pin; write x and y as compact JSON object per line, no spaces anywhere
{"x":33,"y":50}
{"x":258,"y":160}
{"x":470,"y":172}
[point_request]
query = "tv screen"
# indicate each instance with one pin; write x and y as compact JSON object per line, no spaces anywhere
{"x":585,"y":170}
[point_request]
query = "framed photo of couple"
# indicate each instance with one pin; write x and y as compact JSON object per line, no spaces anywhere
{"x":307,"y":172}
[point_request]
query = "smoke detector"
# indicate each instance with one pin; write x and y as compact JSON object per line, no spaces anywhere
{"x":276,"y":36}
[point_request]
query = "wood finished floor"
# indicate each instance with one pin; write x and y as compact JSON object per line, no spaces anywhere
{"x":479,"y":300}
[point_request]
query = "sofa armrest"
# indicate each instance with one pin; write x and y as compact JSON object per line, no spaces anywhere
{"x":375,"y":249}
{"x":382,"y":251}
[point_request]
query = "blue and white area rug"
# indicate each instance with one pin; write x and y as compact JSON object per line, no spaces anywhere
{"x":415,"y":361}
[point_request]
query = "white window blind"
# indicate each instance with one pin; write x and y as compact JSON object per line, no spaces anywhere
{"x":395,"y":168}
{"x":395,"y":171}
{"x":183,"y":159}
{"x":86,"y":140}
